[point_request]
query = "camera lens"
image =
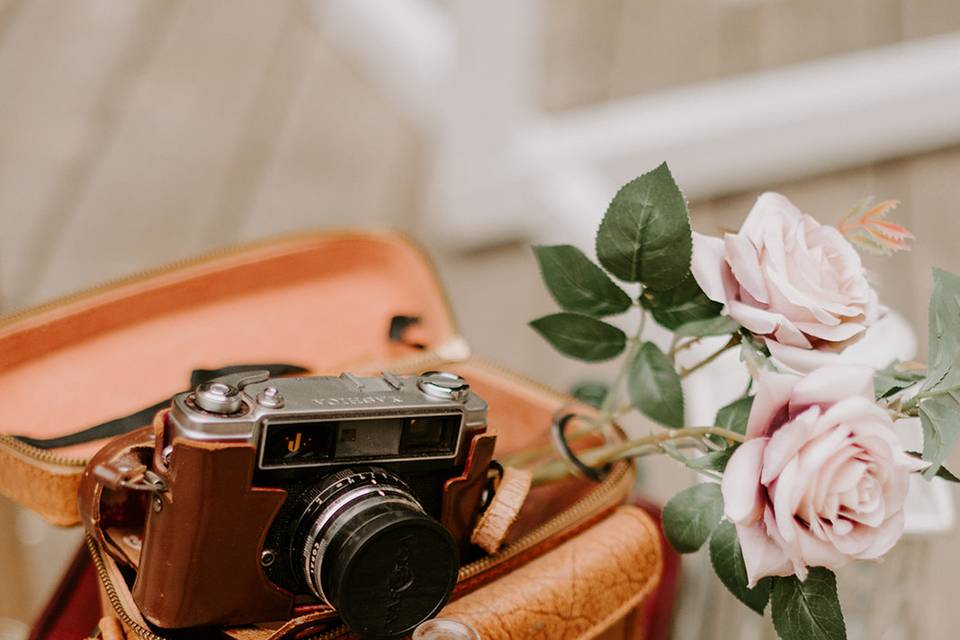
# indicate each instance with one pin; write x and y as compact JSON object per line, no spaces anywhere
{"x":369,"y":550}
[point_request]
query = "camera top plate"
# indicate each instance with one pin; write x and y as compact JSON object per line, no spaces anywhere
{"x":237,"y":407}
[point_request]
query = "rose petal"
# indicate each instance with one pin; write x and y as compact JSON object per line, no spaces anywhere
{"x":742,"y":493}
{"x":837,"y":333}
{"x":786,"y":498}
{"x":754,"y":319}
{"x":885,"y":536}
{"x":769,"y":206}
{"x":708,"y":266}
{"x":788,"y":334}
{"x":761,"y":555}
{"x":800,"y":360}
{"x":827,"y":385}
{"x":743,"y":261}
{"x":858,"y":539}
{"x":786,"y":442}
{"x":818,"y":553}
{"x":773,"y":396}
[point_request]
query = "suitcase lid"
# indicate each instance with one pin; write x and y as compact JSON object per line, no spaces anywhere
{"x":324,"y":301}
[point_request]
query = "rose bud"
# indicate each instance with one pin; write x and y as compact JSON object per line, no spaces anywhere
{"x":821,"y":478}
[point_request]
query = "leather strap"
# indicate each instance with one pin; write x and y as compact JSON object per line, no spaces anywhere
{"x":494,"y":524}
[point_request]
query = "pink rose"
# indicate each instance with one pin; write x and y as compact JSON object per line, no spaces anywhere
{"x":821,"y":479}
{"x":788,"y":278}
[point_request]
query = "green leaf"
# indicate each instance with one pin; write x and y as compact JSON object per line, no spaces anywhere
{"x":944,"y":345}
{"x":734,"y":416}
{"x":581,"y":337}
{"x":719,"y":326}
{"x":681,"y":305}
{"x":940,"y":419}
{"x":713,"y":461}
{"x":808,"y":610}
{"x":942,"y":472}
{"x":654,"y":386}
{"x":940,"y":408}
{"x":892,"y":380}
{"x":577,"y":284}
{"x":690,"y":516}
{"x":727,"y":560}
{"x":645,"y":234}
{"x":591,"y":392}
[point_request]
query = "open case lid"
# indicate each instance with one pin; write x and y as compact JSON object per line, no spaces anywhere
{"x":323,"y":301}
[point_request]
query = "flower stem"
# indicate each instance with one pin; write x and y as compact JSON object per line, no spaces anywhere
{"x":608,"y":409}
{"x":639,"y":447}
{"x":733,"y":342}
{"x":915,"y":401}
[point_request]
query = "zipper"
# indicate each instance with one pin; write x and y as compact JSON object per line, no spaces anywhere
{"x":111,"y":591}
{"x":41,"y":456}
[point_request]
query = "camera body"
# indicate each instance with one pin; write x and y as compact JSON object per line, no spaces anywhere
{"x":348,"y":492}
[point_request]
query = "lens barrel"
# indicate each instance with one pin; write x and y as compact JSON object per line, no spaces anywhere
{"x":369,"y":550}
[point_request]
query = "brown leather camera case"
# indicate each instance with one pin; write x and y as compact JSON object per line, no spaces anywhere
{"x":578,"y":564}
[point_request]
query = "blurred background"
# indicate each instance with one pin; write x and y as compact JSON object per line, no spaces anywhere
{"x":134,"y":133}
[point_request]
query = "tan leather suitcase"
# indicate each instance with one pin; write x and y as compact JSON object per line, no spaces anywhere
{"x":579,"y":563}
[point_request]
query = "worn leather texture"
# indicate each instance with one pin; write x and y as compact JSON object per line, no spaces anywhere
{"x":49,"y":491}
{"x":578,"y":590}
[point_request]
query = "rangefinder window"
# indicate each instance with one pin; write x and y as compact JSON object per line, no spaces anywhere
{"x":298,"y":443}
{"x":309,"y":443}
{"x":429,"y":435}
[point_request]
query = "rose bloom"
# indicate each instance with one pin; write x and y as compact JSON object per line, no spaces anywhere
{"x":821,"y":479}
{"x":786,"y":277}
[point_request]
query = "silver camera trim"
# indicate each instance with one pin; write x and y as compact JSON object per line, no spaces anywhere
{"x":263,"y":401}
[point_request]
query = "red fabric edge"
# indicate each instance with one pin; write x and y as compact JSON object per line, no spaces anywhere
{"x":73,"y":611}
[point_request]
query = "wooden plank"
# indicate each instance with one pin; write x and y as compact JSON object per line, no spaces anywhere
{"x":343,"y":157}
{"x":265,"y":122}
{"x":665,"y":43}
{"x":59,"y":63}
{"x":920,"y":18}
{"x":798,"y":30}
{"x":149,"y":196}
{"x":580,"y":42}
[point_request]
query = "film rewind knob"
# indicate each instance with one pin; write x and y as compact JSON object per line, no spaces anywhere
{"x":443,"y":385}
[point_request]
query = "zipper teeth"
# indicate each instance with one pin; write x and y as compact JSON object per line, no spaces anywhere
{"x":41,"y":455}
{"x":112,"y":596}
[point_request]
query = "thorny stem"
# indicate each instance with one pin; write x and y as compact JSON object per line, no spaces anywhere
{"x":632,"y":448}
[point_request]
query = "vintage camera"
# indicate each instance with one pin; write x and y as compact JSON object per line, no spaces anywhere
{"x":282,"y":495}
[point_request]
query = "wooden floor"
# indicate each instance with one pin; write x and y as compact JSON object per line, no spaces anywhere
{"x":134,"y":133}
